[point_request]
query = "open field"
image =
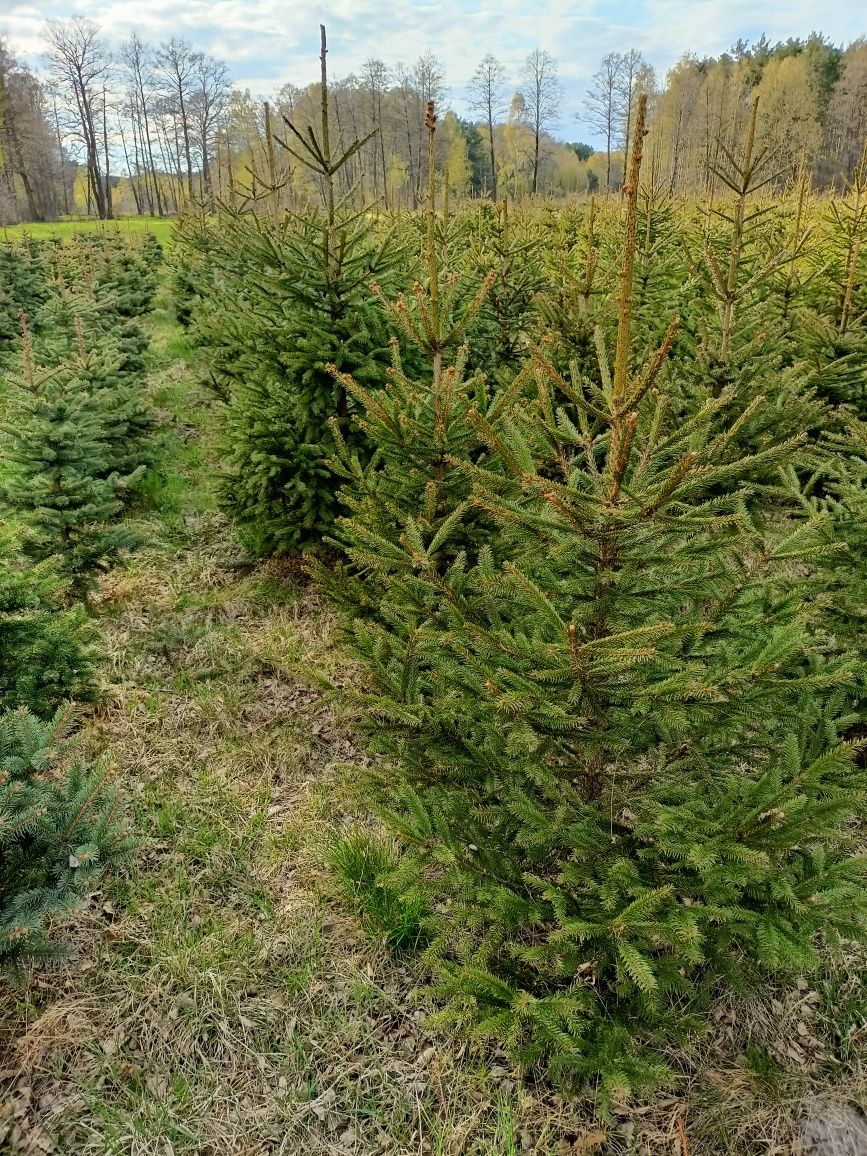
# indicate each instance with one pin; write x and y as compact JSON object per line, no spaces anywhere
{"x":161,"y":227}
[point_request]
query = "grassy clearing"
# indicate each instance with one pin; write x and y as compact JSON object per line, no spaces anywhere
{"x":161,"y":227}
{"x":220,"y":1000}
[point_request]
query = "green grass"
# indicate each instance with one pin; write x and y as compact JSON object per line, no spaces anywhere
{"x":161,"y":227}
{"x":365,"y":867}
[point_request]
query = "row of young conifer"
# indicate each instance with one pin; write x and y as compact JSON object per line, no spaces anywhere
{"x":76,"y":437}
{"x":589,"y":486}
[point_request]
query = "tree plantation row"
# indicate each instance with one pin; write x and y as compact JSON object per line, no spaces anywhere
{"x":76,"y":441}
{"x":143,"y":128}
{"x":586,"y":484}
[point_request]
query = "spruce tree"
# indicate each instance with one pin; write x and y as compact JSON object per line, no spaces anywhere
{"x":197,"y":253}
{"x":836,"y":350}
{"x":731,"y":336}
{"x":300,"y":304}
{"x":111,"y":268}
{"x":46,"y":648}
{"x":23,"y":286}
{"x":409,"y":490}
{"x":513,"y":250}
{"x":663,"y":285}
{"x":277,"y":485}
{"x":60,"y":826}
{"x":849,"y":253}
{"x":57,"y":327}
{"x":106,"y":350}
{"x":128,"y":280}
{"x":612,"y":751}
{"x":61,"y":476}
{"x":152,"y":251}
{"x":838,"y":490}
{"x":575,"y":303}
{"x":127,"y":417}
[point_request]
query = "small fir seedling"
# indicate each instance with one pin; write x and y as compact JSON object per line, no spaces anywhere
{"x":61,"y":826}
{"x":61,"y":478}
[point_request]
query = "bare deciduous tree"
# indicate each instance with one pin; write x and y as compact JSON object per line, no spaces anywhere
{"x":603,"y":105}
{"x":416,"y":86}
{"x":632,"y":64}
{"x":847,"y":114}
{"x":176,"y":61}
{"x":542,"y":94}
{"x":486,"y":97}
{"x":208,"y":102}
{"x":374,"y":80}
{"x":138,"y":59}
{"x":80,"y":63}
{"x":30,"y":154}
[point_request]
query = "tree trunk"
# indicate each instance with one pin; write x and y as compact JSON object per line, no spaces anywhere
{"x":536,"y":159}
{"x":141,"y":162}
{"x":178,"y":170}
{"x":166,"y":150}
{"x":608,"y":151}
{"x":185,"y":128}
{"x":382,"y":151}
{"x":412,"y":180}
{"x":206,"y":177}
{"x":133,"y":180}
{"x":62,"y":162}
{"x":150,"y":151}
{"x":108,"y":204}
{"x":26,"y":184}
{"x":92,"y":146}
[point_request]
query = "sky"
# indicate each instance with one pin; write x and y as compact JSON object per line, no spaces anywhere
{"x":268,"y":42}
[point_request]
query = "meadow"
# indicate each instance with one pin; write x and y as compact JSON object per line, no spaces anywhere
{"x":131,"y":227}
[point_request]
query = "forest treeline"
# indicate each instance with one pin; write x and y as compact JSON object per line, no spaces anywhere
{"x":141,"y":128}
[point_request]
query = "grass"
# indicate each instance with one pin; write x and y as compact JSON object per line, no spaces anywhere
{"x":161,"y":227}
{"x":224,"y":998}
{"x":365,"y":866}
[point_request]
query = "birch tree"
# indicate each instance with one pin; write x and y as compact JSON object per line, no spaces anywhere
{"x":486,"y":97}
{"x":542,"y":95}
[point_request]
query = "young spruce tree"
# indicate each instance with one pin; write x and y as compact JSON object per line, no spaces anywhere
{"x":406,"y":495}
{"x":23,"y":286}
{"x":609,"y":753}
{"x":301,"y":304}
{"x":46,"y":648}
{"x":60,"y":825}
{"x":733,"y":339}
{"x":61,"y":477}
